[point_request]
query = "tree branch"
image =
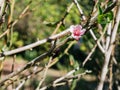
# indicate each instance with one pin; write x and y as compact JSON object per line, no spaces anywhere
{"x":57,"y":36}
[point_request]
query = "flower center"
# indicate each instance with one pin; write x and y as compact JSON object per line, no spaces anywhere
{"x":76,"y":32}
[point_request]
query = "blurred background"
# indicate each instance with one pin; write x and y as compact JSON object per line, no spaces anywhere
{"x":39,"y":22}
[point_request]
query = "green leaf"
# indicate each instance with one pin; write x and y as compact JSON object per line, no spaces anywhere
{"x":73,"y":62}
{"x":62,"y":27}
{"x":19,"y":43}
{"x":101,"y":19}
{"x":105,"y":18}
{"x":100,"y":9}
{"x":109,"y":16}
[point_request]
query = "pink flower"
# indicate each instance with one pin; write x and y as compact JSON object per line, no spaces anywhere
{"x":77,"y":31}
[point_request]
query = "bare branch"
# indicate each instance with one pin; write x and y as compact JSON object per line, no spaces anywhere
{"x":30,"y":46}
{"x":108,"y":35}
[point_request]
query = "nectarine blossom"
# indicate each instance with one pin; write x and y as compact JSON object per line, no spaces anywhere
{"x":77,"y":31}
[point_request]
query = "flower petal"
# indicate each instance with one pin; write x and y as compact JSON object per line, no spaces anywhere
{"x":82,"y":31}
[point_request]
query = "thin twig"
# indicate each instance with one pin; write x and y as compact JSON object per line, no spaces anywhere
{"x":89,"y":55}
{"x":80,"y":10}
{"x":63,"y":80}
{"x":98,"y":41}
{"x":13,"y":63}
{"x":61,"y":21}
{"x":45,"y":74}
{"x":20,"y":85}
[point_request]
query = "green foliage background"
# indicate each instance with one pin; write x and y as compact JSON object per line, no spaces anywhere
{"x":40,"y":22}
